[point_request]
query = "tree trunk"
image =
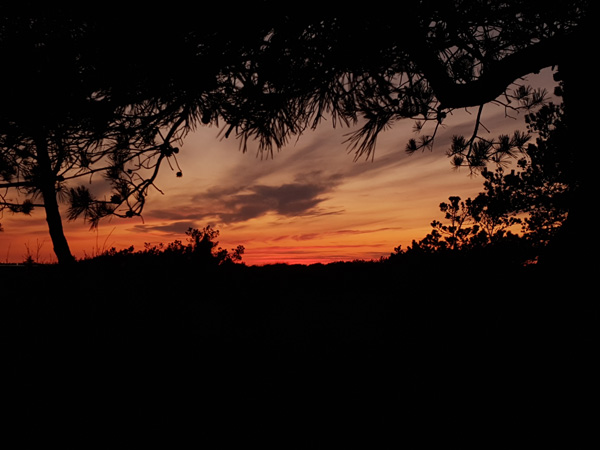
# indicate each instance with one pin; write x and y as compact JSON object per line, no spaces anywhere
{"x":47,"y":187}
{"x":575,"y":251}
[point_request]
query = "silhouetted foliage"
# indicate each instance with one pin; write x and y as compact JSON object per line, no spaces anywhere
{"x":535,"y":195}
{"x":201,"y":249}
{"x":374,"y":69}
{"x":471,"y":232}
{"x":69,"y":113}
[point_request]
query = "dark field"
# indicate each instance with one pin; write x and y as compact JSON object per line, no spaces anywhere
{"x":398,"y":344}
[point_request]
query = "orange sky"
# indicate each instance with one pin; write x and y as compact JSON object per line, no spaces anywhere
{"x":310,"y":203}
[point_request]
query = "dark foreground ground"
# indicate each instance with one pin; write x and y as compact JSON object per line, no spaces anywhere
{"x":342,"y":348}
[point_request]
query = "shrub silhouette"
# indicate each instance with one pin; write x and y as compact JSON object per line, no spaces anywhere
{"x":534,"y":195}
{"x":201,"y":248}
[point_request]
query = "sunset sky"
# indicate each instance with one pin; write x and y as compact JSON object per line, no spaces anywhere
{"x":311,"y":202}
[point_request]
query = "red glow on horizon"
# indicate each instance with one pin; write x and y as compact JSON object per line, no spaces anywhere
{"x":290,"y":262}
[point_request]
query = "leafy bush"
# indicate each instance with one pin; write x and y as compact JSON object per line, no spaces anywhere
{"x":200,"y":248}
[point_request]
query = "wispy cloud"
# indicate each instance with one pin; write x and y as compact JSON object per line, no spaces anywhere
{"x":336,"y":233}
{"x":238,"y":202}
{"x":170,"y":227}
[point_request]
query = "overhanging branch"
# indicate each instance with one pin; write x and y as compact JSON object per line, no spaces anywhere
{"x":498,"y":75}
{"x":16,"y":184}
